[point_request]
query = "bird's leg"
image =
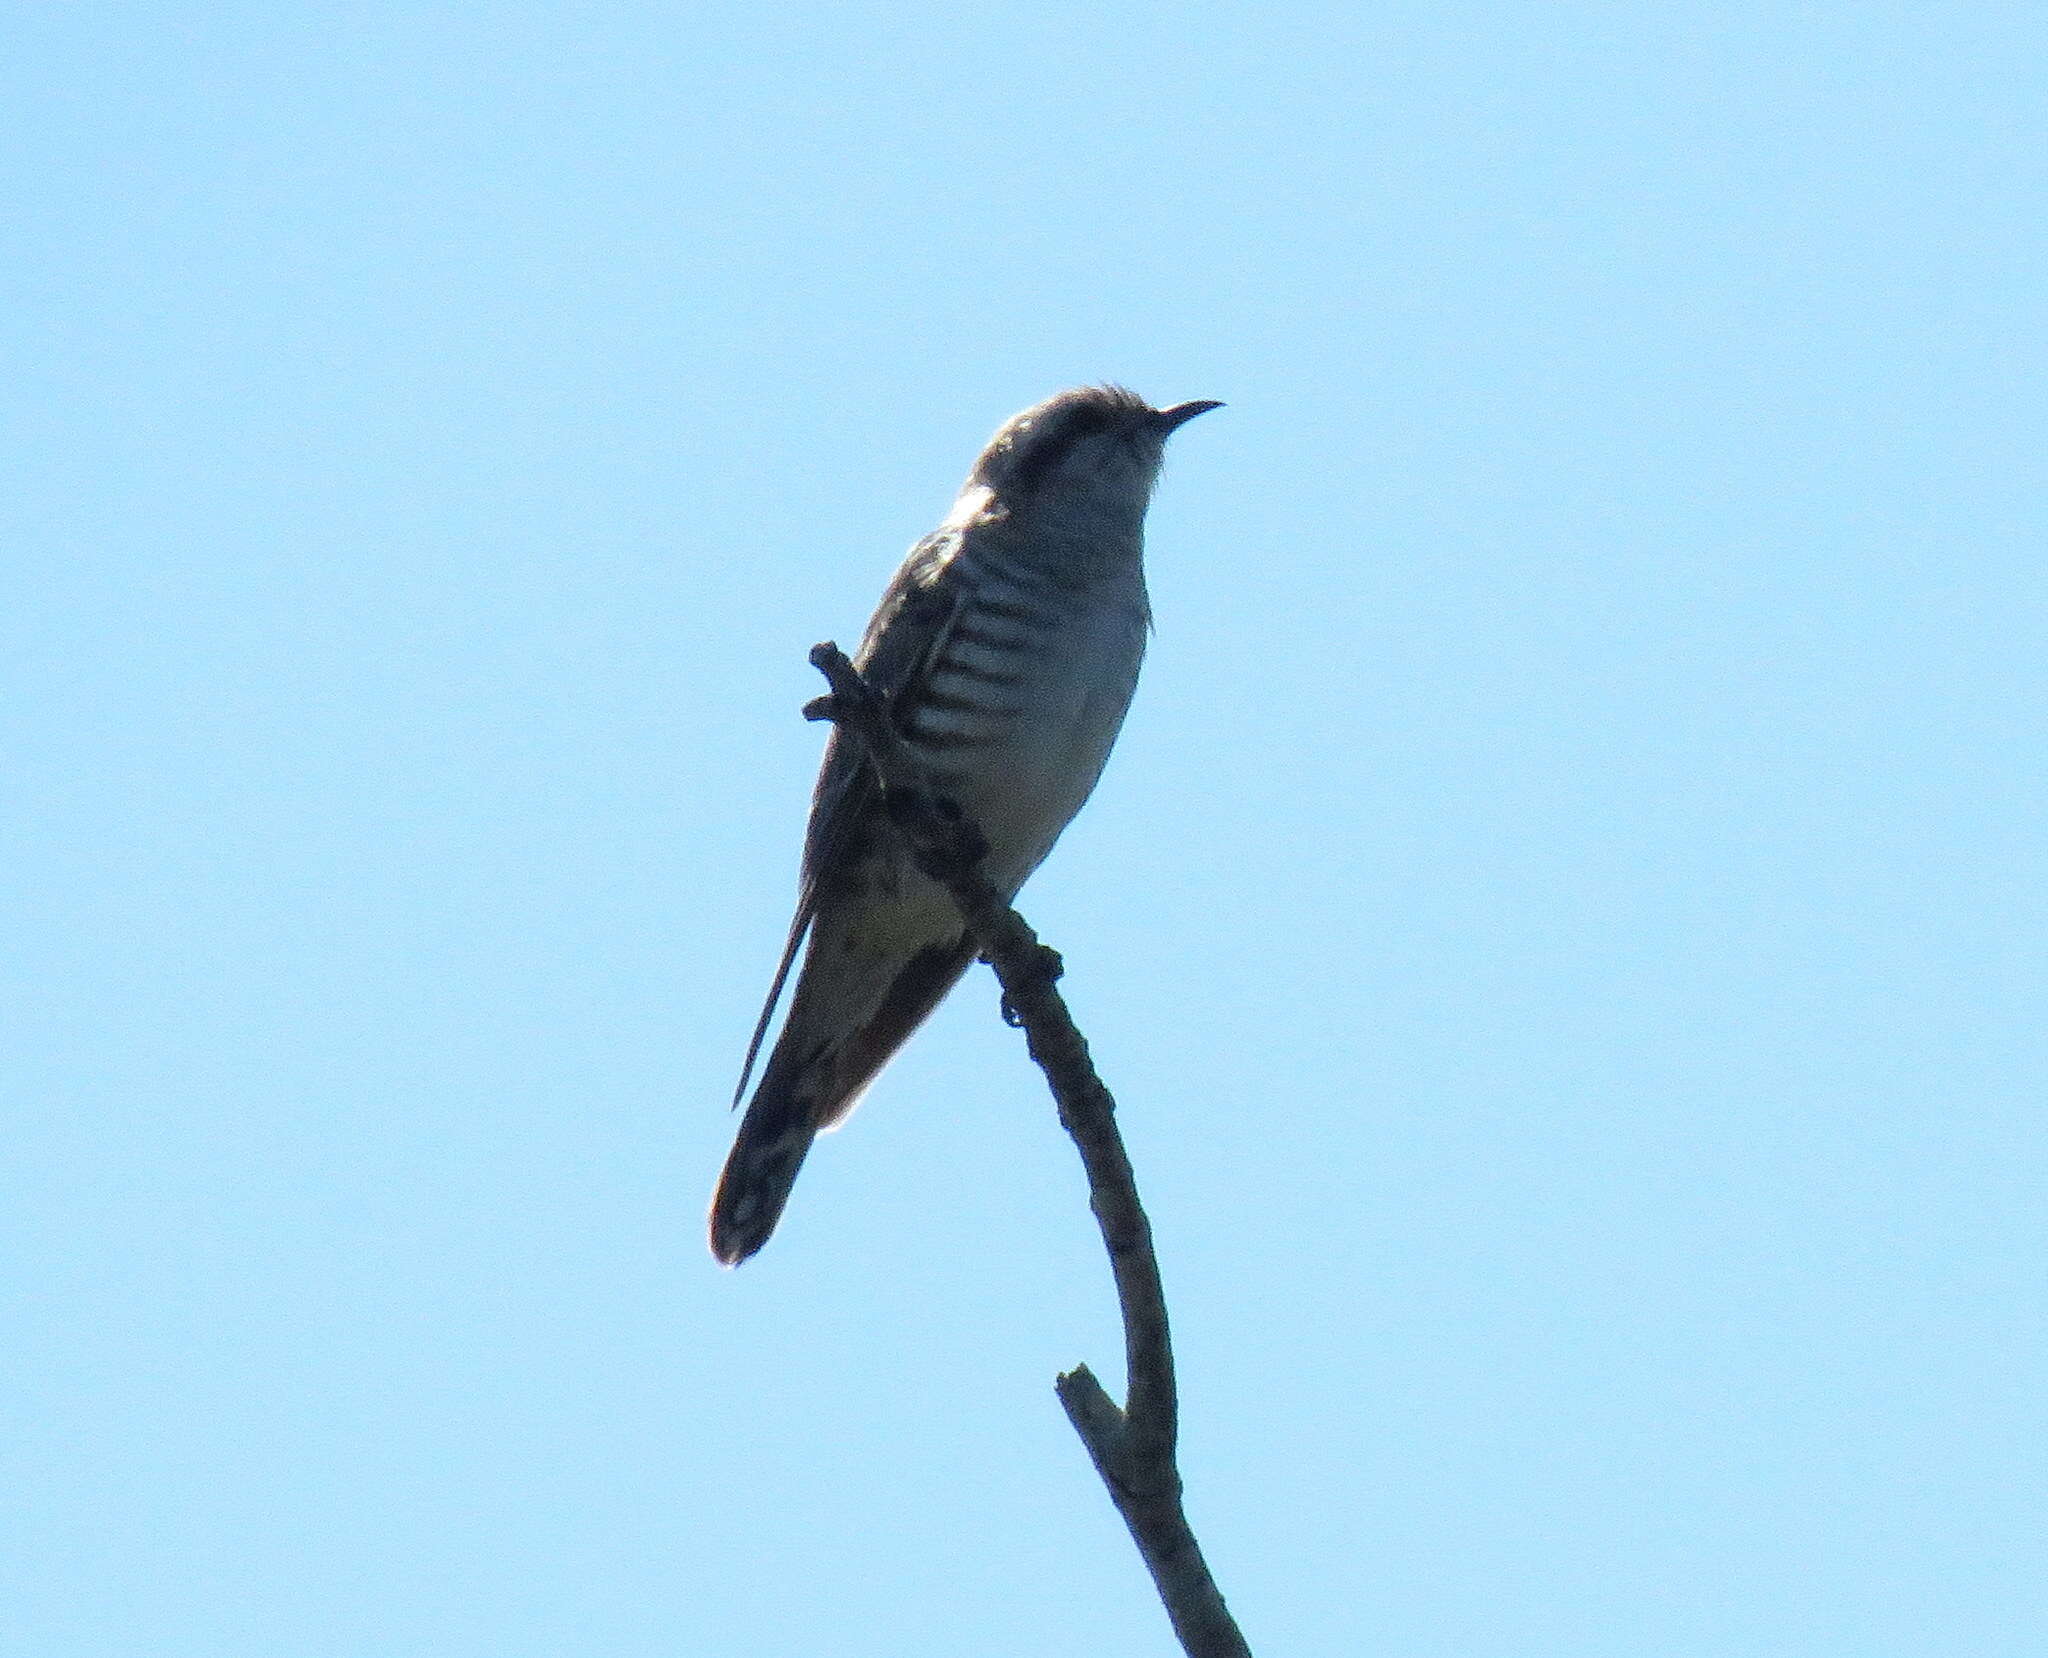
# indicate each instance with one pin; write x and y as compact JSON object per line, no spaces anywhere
{"x":965,"y":845}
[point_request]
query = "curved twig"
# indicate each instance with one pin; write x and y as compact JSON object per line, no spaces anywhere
{"x":1133,"y":1445}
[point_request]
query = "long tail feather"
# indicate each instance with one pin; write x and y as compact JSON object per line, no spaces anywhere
{"x":816,"y":1073}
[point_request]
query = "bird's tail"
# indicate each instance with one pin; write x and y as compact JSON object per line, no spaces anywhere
{"x":821,"y":1065}
{"x":756,"y":1181}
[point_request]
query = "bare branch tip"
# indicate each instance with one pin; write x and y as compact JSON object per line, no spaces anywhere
{"x":1079,"y":1390}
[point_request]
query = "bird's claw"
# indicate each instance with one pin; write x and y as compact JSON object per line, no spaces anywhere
{"x":1046,"y":969}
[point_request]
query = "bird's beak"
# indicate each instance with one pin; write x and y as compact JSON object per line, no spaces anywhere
{"x":1171,"y":420}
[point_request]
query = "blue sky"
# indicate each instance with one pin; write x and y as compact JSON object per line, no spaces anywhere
{"x":1564,"y":920}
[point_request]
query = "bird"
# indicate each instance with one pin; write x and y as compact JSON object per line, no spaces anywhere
{"x":1005,"y":652}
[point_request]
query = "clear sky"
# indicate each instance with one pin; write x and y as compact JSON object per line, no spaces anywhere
{"x":1564,"y":921}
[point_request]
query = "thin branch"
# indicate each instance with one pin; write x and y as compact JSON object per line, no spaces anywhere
{"x":1133,"y":1445}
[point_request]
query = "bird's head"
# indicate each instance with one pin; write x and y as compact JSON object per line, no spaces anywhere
{"x":1097,"y":447}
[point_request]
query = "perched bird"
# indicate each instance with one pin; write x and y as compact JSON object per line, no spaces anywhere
{"x":1005,"y":650}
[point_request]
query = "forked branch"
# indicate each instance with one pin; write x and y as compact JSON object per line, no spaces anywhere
{"x":1132,"y":1445}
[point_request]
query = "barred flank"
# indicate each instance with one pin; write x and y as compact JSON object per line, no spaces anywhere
{"x":980,"y":681}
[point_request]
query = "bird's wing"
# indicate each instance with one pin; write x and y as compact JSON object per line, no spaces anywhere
{"x":904,"y":639}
